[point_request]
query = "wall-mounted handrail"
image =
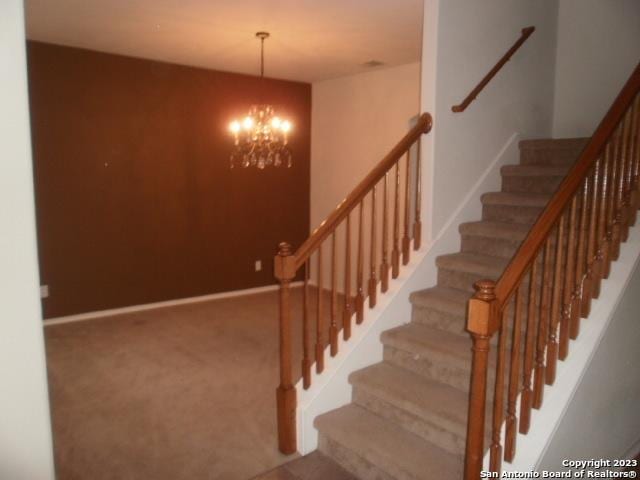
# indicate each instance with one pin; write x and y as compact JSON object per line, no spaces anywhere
{"x":526,"y":33}
{"x":556,"y":272}
{"x":396,"y":186}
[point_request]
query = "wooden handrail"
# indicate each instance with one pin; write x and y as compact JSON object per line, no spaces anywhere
{"x":397,"y":210}
{"x":559,"y":202}
{"x":526,"y":33}
{"x":353,"y":199}
{"x":558,"y":268}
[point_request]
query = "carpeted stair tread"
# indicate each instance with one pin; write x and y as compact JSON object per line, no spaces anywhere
{"x":475,"y":263}
{"x":500,"y":230}
{"x":412,"y":407}
{"x":534,"y":170}
{"x":420,"y":396}
{"x":538,"y":200}
{"x":399,"y":454}
{"x":554,"y":143}
{"x":443,"y":299}
{"x":420,"y":339}
{"x":563,"y":152}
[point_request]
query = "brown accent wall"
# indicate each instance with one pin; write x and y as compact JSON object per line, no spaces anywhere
{"x":135,"y":199}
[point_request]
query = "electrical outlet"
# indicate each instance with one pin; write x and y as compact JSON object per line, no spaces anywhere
{"x":258,"y":265}
{"x":44,"y":291}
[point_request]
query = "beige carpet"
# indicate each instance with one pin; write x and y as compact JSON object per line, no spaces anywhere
{"x":184,"y":392}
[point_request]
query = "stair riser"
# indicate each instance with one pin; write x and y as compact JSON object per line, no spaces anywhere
{"x":530,"y":184}
{"x":435,"y":319}
{"x":496,"y":247}
{"x":432,"y":365}
{"x":511,"y":213}
{"x":459,"y":279}
{"x":352,"y":462}
{"x":495,"y":338}
{"x":549,"y":156}
{"x":447,"y":435}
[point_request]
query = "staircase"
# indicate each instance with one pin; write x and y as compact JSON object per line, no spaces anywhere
{"x":408,"y":416}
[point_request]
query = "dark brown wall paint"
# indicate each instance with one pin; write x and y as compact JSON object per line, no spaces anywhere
{"x":135,"y":199}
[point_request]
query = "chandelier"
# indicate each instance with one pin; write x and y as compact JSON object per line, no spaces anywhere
{"x":261,"y":138}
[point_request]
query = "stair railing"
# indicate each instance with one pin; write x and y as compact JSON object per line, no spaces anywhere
{"x":461,"y":107}
{"x":406,"y":189}
{"x":536,"y":305}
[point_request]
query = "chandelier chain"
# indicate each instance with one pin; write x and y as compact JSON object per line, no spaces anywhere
{"x":261,"y":138}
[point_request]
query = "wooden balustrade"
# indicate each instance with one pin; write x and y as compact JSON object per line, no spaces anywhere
{"x":563,"y":260}
{"x":462,"y":106}
{"x":357,"y":250}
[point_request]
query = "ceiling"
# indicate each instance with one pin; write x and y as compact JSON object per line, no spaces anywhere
{"x":311,"y":40}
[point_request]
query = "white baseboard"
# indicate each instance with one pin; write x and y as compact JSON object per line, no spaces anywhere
{"x":168,"y":303}
{"x":331,"y":389}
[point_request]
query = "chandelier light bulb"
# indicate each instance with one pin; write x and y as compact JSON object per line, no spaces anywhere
{"x":260,"y":138}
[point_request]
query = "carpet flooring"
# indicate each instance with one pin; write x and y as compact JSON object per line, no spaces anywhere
{"x":185,"y":392}
{"x":314,"y":466}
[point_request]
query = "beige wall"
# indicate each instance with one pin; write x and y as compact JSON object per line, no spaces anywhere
{"x":458,"y":50}
{"x":603,"y":412}
{"x":598,"y":48}
{"x":25,"y":430}
{"x":355,"y":121}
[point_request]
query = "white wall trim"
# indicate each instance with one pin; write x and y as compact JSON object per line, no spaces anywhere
{"x":569,"y":373}
{"x":331,"y":389}
{"x":168,"y":303}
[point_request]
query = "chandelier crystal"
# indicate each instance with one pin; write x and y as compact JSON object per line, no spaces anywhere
{"x":261,"y":138}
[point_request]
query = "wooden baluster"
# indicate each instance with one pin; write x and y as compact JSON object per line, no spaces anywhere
{"x":511,"y":427}
{"x":495,"y":460}
{"x":360,"y":273}
{"x":373,"y":281}
{"x":406,"y":240}
{"x":527,"y":391}
{"x":348,"y":307}
{"x":569,"y":282}
{"x":626,"y":143}
{"x":581,"y":257}
{"x":384,"y":268}
{"x":333,"y":329}
{"x":636,"y":156}
{"x":552,"y":346}
{"x":606,"y":210}
{"x":285,"y":271}
{"x":611,"y":203}
{"x":633,"y":155}
{"x":306,"y":333}
{"x":543,"y":325}
{"x":320,"y":317}
{"x":417,"y":221}
{"x":395,"y":253}
{"x":482,"y":313}
{"x":619,"y":194}
{"x":587,"y":285}
{"x":601,"y":230}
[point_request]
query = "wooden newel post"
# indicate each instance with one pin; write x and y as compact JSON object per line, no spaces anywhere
{"x":482,"y":323}
{"x":285,"y":271}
